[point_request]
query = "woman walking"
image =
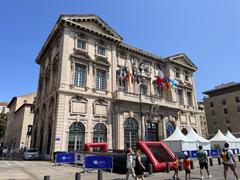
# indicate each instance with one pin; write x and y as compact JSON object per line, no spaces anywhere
{"x":139,"y":168}
{"x":130,"y":164}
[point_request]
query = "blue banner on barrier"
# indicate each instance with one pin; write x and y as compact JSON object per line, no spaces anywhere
{"x":214,"y":153}
{"x":98,"y":162}
{"x":65,"y":158}
{"x":193,"y":154}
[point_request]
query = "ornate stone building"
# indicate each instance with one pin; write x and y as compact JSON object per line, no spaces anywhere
{"x":203,"y":120}
{"x":93,"y":87}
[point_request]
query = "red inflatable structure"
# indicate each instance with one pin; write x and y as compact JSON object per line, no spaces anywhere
{"x":103,"y":146}
{"x":158,"y":154}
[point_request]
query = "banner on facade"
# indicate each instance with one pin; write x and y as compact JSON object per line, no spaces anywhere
{"x":65,"y":158}
{"x":98,"y":162}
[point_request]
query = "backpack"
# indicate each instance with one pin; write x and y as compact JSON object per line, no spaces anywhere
{"x":224,"y":155}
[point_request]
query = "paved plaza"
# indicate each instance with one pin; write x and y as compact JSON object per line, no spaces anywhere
{"x":35,"y":170}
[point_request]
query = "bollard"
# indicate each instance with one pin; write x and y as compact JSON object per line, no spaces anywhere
{"x":239,"y":158}
{"x":100,"y":174}
{"x":150,"y":169}
{"x":167,"y":167}
{"x":191,"y":164}
{"x":180,"y":167}
{"x":219,"y":161}
{"x":210,"y":161}
{"x":77,"y":176}
{"x":46,"y":178}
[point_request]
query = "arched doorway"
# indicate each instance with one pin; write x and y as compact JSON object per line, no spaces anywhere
{"x":184,"y":131}
{"x":76,"y":137}
{"x":170,"y":127}
{"x":130,"y":133}
{"x":100,"y":133}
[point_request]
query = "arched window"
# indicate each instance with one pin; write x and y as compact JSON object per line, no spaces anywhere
{"x":184,"y":131}
{"x":76,"y":137}
{"x":170,"y":127}
{"x":143,"y":89}
{"x":130,"y":133}
{"x":100,"y":133}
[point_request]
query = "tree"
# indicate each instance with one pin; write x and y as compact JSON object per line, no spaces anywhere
{"x":3,"y":123}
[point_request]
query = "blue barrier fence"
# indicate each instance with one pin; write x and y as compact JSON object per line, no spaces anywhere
{"x":212,"y":153}
{"x":65,"y":158}
{"x":98,"y":162}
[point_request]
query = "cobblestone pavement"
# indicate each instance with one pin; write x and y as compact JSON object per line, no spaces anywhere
{"x":35,"y":170}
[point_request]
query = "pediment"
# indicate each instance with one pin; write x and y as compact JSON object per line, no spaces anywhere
{"x":183,"y":60}
{"x":102,"y":61}
{"x":78,"y":54}
{"x":94,"y":23}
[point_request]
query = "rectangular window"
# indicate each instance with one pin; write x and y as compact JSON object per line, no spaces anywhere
{"x":213,"y":112}
{"x":180,"y":97}
{"x":189,"y":96}
{"x":100,"y":79}
{"x":230,"y":129}
{"x":177,"y":73}
{"x":227,"y":119}
{"x":211,"y":104}
{"x":101,"y":51}
{"x":238,"y":108}
{"x":224,"y":102}
{"x":81,"y":44}
{"x":79,"y":78}
{"x":186,"y":76}
{"x":237,"y":99}
{"x":32,"y":110}
{"x":121,"y":84}
{"x":225,"y":111}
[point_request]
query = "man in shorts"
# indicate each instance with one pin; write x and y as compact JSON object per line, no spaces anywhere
{"x":203,"y":161}
{"x":228,"y":161}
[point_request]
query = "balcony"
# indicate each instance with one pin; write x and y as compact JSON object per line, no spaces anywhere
{"x":145,"y":99}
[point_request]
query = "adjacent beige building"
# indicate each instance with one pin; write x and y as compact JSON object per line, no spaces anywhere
{"x":222,"y":107}
{"x":93,"y":87}
{"x":203,"y":120}
{"x":19,"y":122}
{"x":3,"y":107}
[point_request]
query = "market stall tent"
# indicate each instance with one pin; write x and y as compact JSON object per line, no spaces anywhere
{"x":200,"y":141}
{"x":230,"y":136}
{"x":179,"y":142}
{"x":218,"y":141}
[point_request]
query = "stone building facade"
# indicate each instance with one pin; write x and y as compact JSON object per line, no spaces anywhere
{"x":222,"y":108}
{"x":93,"y":87}
{"x":203,"y":120}
{"x":20,"y":121}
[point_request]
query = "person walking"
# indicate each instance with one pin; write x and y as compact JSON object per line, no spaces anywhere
{"x":130,"y":164}
{"x":176,"y":167}
{"x":186,"y":165}
{"x":203,"y":161}
{"x":139,"y":168}
{"x":228,"y":161}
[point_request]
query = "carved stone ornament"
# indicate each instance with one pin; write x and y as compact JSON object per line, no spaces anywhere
{"x":78,"y":105}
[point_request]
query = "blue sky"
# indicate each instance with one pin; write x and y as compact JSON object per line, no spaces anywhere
{"x":207,"y":31}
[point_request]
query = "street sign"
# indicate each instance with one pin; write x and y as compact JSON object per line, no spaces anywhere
{"x":98,"y":162}
{"x":65,"y":158}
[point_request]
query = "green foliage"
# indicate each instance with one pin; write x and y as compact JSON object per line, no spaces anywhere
{"x":3,"y":123}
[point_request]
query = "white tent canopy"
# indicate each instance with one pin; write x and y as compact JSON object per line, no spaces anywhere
{"x":200,"y":141}
{"x":179,"y":142}
{"x":219,"y":140}
{"x":230,"y":136}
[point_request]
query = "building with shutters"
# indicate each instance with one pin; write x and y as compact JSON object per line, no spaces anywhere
{"x":222,"y":108}
{"x":93,"y":87}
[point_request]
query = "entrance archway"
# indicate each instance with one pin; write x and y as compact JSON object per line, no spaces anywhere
{"x":130,"y":133}
{"x":99,"y":133}
{"x":76,"y":137}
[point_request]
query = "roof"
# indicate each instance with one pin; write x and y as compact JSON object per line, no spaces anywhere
{"x":229,"y":135}
{"x":194,"y":136}
{"x":3,"y":103}
{"x":177,"y":135}
{"x":220,"y":137}
{"x":15,"y":97}
{"x":23,"y":105}
{"x":222,"y":87}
